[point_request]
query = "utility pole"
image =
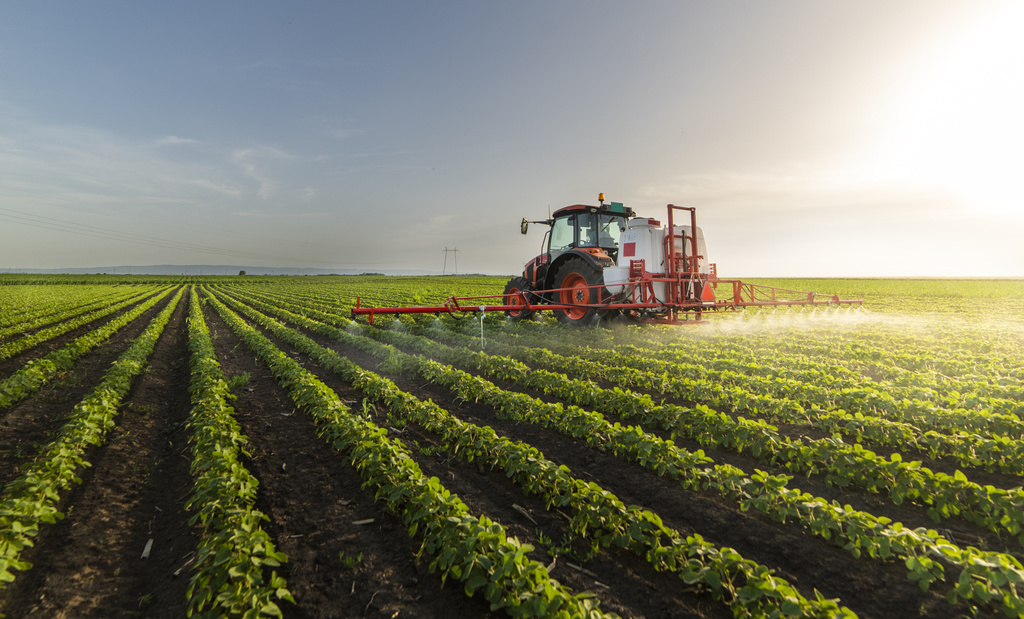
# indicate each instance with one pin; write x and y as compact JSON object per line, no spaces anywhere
{"x":455,"y":255}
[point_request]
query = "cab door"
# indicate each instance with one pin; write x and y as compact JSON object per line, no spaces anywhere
{"x":563,"y":236}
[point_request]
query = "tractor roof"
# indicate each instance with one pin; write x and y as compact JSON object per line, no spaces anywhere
{"x":612,"y":208}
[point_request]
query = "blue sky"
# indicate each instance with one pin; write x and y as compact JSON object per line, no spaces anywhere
{"x":816,"y":139}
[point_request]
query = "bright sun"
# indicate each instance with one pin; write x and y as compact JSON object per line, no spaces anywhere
{"x":961,"y":125}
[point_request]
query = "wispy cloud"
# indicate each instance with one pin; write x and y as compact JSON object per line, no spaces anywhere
{"x":223,"y":188}
{"x":173,"y":140}
{"x":255,"y":162}
{"x":344,"y":133}
{"x":280,"y":215}
{"x":64,"y":165}
{"x":338,"y":128}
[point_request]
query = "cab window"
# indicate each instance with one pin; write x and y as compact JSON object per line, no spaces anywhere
{"x":562,"y":234}
{"x":587,"y":229}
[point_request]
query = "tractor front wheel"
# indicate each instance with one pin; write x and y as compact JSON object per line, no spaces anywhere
{"x":513,"y":288}
{"x":579,"y":284}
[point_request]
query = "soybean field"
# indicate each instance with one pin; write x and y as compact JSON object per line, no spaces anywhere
{"x":241,"y":447}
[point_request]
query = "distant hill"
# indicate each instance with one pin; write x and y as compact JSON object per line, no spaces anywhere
{"x":213,"y":269}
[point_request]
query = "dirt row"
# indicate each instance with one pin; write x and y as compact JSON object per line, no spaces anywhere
{"x":89,"y":563}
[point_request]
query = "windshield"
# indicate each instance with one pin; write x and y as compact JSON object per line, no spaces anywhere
{"x":587,"y":230}
{"x":600,"y":230}
{"x":609,"y":230}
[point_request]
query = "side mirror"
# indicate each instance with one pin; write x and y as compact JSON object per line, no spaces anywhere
{"x":523,"y":226}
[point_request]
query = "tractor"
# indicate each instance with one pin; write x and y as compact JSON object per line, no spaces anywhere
{"x":585,"y":279}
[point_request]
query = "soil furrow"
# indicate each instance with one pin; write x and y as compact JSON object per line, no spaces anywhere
{"x":31,"y":423}
{"x":89,"y":564}
{"x":313,"y":496}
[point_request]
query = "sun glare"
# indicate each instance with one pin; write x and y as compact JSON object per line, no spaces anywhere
{"x":961,"y":126}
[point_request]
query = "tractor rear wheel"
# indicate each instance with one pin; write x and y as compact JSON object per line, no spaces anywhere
{"x":580,"y":284}
{"x":515,"y":286}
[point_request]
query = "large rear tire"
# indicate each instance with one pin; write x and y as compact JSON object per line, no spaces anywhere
{"x":580,"y":283}
{"x":512,"y":288}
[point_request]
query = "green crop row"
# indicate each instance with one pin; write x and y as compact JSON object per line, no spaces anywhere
{"x":475,"y":551}
{"x":984,"y":576}
{"x":12,"y":348}
{"x":815,"y":386}
{"x":32,"y":498}
{"x":775,"y":404}
{"x":943,"y":495}
{"x":961,"y":359}
{"x":234,"y":552}
{"x":620,"y":402}
{"x":747,"y":586}
{"x":19,"y":304}
{"x":921,"y":406}
{"x":36,"y":373}
{"x":964,"y":366}
{"x":59,"y":312}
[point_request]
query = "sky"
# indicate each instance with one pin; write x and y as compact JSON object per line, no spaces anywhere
{"x":863,"y":138}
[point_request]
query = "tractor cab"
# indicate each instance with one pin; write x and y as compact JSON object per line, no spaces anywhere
{"x":586,"y":228}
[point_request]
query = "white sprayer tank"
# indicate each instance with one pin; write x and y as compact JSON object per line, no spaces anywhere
{"x":644,"y":239}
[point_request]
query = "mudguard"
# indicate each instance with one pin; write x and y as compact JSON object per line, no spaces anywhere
{"x":592,"y":256}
